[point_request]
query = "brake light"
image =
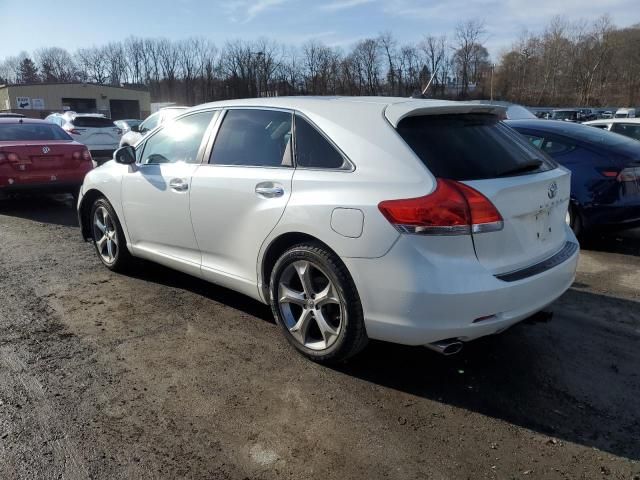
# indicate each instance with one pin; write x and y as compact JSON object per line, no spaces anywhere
{"x":631,"y":174}
{"x":451,"y":209}
{"x":9,"y":157}
{"x":82,"y":155}
{"x":609,"y":173}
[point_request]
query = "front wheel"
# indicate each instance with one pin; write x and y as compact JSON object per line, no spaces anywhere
{"x":108,"y":236}
{"x":314,"y":300}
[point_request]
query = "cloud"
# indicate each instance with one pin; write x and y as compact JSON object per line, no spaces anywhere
{"x":343,"y":5}
{"x":243,"y":11}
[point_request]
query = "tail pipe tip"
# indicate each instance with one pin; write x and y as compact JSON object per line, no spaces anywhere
{"x":446,"y":347}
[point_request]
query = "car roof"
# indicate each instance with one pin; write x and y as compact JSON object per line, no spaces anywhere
{"x":4,"y":120}
{"x":335,"y":108}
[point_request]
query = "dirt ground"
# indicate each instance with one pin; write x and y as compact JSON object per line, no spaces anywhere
{"x":160,"y":375}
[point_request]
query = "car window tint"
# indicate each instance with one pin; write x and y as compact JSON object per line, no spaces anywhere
{"x":150,"y":123}
{"x":313,"y":150}
{"x":554,"y":147}
{"x":252,"y":137}
{"x":470,"y":146}
{"x":628,"y":129}
{"x":31,"y":131}
{"x":93,"y":122}
{"x":178,"y":141}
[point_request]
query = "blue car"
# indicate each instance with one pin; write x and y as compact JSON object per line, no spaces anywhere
{"x":605,"y":172}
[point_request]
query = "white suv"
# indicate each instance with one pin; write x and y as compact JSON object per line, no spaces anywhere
{"x":412,"y":221}
{"x":97,"y":132}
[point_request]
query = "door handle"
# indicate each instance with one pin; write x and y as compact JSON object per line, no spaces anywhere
{"x":178,"y":184}
{"x":269,"y":190}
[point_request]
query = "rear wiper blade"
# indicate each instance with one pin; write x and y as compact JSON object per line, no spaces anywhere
{"x":522,"y":168}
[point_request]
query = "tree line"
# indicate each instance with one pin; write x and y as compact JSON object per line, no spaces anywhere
{"x":568,"y":63}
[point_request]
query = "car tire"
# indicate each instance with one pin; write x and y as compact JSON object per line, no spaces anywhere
{"x":109,"y":242}
{"x":314,"y":300}
{"x":574,"y":220}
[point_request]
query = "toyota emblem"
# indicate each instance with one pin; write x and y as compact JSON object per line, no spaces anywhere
{"x":553,"y":190}
{"x":46,"y":150}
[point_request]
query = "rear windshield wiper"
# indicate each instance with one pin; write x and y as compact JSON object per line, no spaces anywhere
{"x":522,"y":168}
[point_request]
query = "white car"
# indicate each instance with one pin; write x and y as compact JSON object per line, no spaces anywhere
{"x":100,"y":135}
{"x":629,"y":127}
{"x":136,"y":133}
{"x":420,"y":222}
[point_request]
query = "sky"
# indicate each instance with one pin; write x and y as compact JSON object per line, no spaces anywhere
{"x":31,"y":24}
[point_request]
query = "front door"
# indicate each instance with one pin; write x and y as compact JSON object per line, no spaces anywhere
{"x":238,"y":197}
{"x":156,"y":191}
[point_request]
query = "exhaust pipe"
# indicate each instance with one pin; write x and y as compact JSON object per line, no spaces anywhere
{"x":446,"y":347}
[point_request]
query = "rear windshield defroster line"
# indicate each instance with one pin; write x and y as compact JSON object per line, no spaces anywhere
{"x":471,"y":147}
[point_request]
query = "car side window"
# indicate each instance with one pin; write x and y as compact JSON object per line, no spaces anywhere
{"x":253,"y":137}
{"x":313,"y":150}
{"x":554,"y":148}
{"x":628,"y":129}
{"x":178,"y":141}
{"x":150,"y":123}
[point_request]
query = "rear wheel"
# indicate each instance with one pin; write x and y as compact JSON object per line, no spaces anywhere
{"x":315,"y":301}
{"x":108,"y":236}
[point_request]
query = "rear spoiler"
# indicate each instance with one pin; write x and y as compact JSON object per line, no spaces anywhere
{"x":413,"y":108}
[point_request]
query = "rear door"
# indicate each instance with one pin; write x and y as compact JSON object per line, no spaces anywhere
{"x":97,"y":133}
{"x":528,"y":189}
{"x":238,"y":197}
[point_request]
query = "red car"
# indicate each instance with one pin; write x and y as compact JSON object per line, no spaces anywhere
{"x":38,"y":156}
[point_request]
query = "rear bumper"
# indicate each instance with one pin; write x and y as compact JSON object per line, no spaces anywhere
{"x":40,"y":188}
{"x":414,"y":300}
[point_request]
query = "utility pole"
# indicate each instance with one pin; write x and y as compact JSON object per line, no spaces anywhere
{"x":493,"y":66}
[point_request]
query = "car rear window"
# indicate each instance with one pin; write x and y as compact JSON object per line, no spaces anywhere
{"x":92,"y":122}
{"x":470,"y":147}
{"x":31,"y":131}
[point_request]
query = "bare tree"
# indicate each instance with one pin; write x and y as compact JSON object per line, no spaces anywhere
{"x":467,"y":35}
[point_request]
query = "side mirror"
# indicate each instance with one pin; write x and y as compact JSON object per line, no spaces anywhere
{"x":125,"y":155}
{"x":134,"y":128}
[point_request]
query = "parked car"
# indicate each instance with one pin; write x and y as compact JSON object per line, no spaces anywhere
{"x":129,"y":124}
{"x":625,"y":113}
{"x":381,"y":219}
{"x":629,"y":127}
{"x":607,"y":114}
{"x":513,"y":111}
{"x":567,"y":115}
{"x":38,"y":156}
{"x":97,"y":132}
{"x":605,"y":168}
{"x":152,"y":121}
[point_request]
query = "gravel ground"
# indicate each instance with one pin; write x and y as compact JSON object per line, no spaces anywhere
{"x":160,"y":375}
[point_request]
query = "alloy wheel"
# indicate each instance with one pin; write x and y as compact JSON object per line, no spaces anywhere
{"x":105,"y":235}
{"x":310,"y":305}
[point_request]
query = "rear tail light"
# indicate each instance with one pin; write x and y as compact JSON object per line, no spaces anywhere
{"x":631,"y":174}
{"x":609,"y":173}
{"x":453,"y":208}
{"x":9,"y":157}
{"x":82,"y":155}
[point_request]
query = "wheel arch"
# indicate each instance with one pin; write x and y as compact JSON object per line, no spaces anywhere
{"x":84,"y":211}
{"x":274,"y":251}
